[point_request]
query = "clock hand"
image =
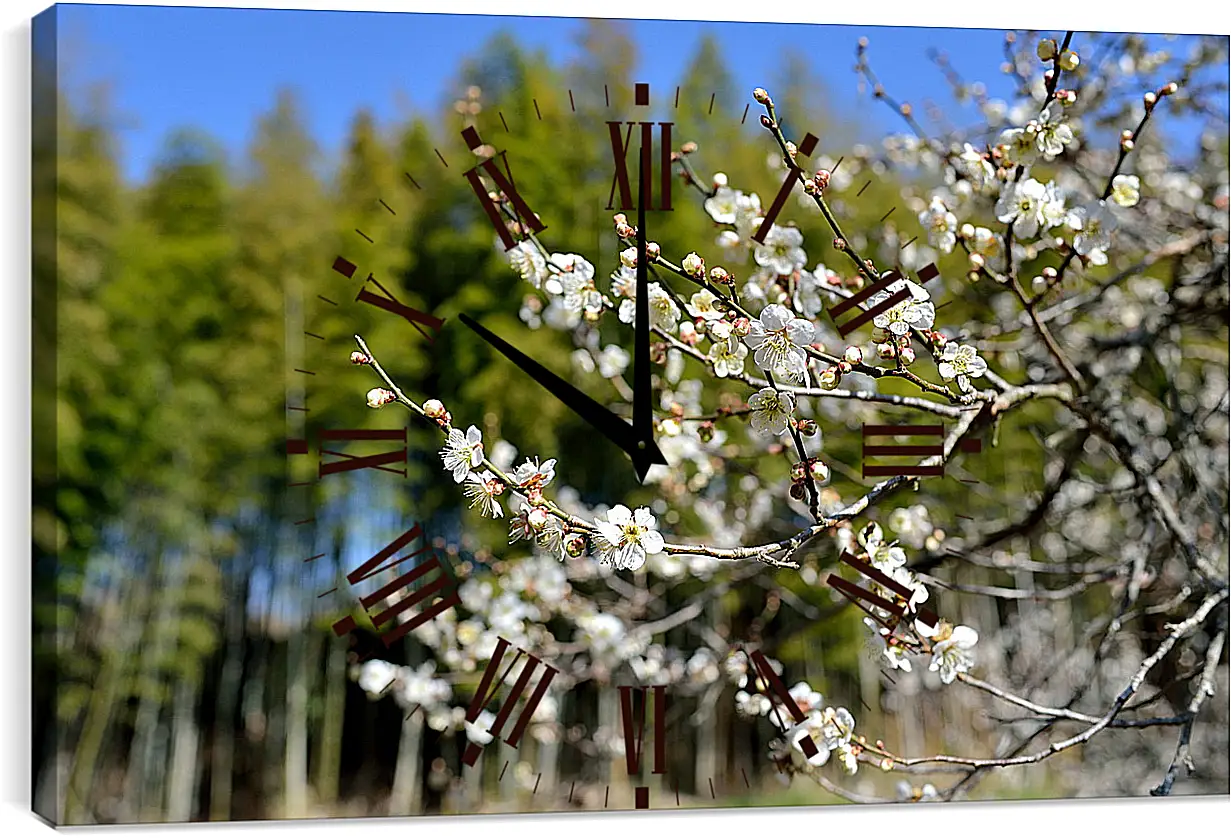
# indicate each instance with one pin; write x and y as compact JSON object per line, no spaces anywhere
{"x":643,"y":394}
{"x":604,"y":421}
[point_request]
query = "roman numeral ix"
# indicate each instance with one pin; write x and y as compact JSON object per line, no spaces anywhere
{"x":348,"y":461}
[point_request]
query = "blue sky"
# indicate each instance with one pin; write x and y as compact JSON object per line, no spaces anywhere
{"x":218,"y":69}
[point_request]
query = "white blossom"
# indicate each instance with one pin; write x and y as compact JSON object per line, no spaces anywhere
{"x":977,"y":169}
{"x":778,"y":338}
{"x":917,"y":312}
{"x":462,"y":452}
{"x":1093,"y":223}
{"x":1052,"y":134}
{"x":962,"y":363}
{"x":483,"y":488}
{"x":771,"y":411}
{"x":1126,"y":190}
{"x":529,"y":263}
{"x":953,"y":654}
{"x":782,"y":251}
{"x":727,"y":357}
{"x":1031,"y":206}
{"x":626,"y":537}
{"x":940,"y":224}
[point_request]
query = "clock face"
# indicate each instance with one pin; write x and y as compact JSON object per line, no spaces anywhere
{"x":652,"y":446}
{"x":531,"y":612}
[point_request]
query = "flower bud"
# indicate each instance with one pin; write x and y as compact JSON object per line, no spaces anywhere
{"x":719,"y":275}
{"x":742,"y":327}
{"x":688,"y":333}
{"x":939,"y":340}
{"x":537,"y":518}
{"x":434,"y":408}
{"x":797,"y":472}
{"x":767,"y":122}
{"x":625,"y":232}
{"x":1126,"y":145}
{"x":761,"y":95}
{"x":359,"y":358}
{"x":1149,"y":98}
{"x":1169,"y":89}
{"x":1046,"y":50}
{"x":830,"y":376}
{"x":688,"y":147}
{"x":619,"y":218}
{"x":719,"y":180}
{"x":1069,"y":61}
{"x":652,"y":250}
{"x":705,"y":431}
{"x":843,"y":367}
{"x":967,"y":231}
{"x":810,"y":187}
{"x":1038,"y":283}
{"x":628,"y":257}
{"x":721,"y":329}
{"x":575,"y":545}
{"x":853,"y":355}
{"x":839,"y":244}
{"x":818,"y":471}
{"x":884,"y":350}
{"x":791,"y":149}
{"x":907,"y":355}
{"x":379,"y":396}
{"x":799,"y":491}
{"x":821,"y":179}
{"x":1049,"y":273}
{"x":807,"y":427}
{"x":976,"y":261}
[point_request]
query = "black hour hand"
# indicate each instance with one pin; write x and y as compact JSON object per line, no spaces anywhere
{"x":638,"y":445}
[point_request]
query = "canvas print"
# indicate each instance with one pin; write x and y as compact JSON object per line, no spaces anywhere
{"x":452,"y":415}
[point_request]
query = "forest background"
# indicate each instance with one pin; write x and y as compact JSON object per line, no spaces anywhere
{"x":201,"y":679}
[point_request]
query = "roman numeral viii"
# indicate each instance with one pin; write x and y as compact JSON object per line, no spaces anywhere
{"x":439,"y":595}
{"x":348,"y":461}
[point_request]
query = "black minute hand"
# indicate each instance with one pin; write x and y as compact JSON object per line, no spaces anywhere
{"x":643,"y":395}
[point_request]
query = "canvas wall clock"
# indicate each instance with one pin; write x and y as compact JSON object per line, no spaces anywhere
{"x":504,"y":430}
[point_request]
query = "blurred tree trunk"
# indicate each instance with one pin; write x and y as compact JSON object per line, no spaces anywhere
{"x":222,"y":770}
{"x":185,"y":739}
{"x":330,"y":730}
{"x":103,"y":699}
{"x":295,"y":761}
{"x":406,"y":795}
